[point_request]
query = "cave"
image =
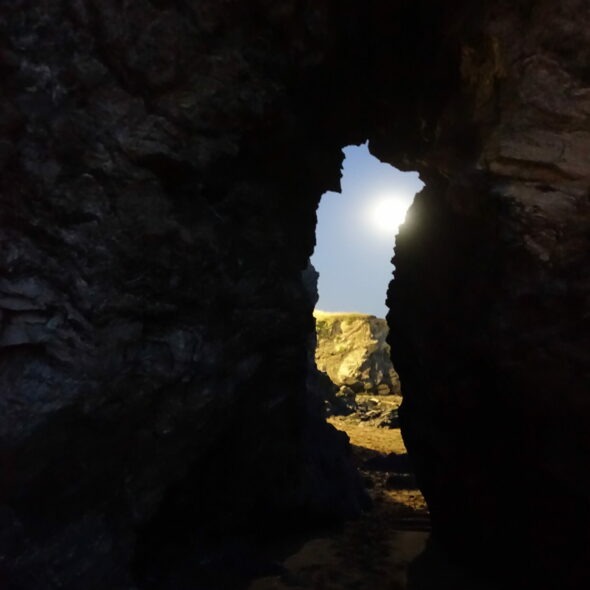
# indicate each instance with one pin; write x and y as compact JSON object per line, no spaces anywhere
{"x":162,"y":163}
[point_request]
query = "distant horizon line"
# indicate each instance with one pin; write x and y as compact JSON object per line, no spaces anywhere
{"x":317,"y":311}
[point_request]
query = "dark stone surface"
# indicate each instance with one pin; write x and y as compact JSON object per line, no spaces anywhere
{"x":160,"y":166}
{"x":391,"y":462}
{"x":489,"y":308}
{"x":154,"y":372}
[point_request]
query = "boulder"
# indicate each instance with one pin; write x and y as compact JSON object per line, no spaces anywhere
{"x":343,"y":402}
{"x":352,"y":350}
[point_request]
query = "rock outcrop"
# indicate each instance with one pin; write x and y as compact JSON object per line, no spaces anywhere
{"x":160,"y":168}
{"x":489,"y":306}
{"x":352,"y":350}
{"x":155,"y":328}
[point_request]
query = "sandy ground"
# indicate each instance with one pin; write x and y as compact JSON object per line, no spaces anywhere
{"x":372,"y":552}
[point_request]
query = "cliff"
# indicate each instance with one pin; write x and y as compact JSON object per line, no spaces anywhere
{"x":352,"y":350}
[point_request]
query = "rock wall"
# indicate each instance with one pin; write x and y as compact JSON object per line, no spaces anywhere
{"x":352,"y":350}
{"x":160,"y":168}
{"x":489,"y":306}
{"x":155,"y":328}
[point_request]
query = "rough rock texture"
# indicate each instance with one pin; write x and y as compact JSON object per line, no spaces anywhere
{"x":352,"y":350}
{"x":160,"y":166}
{"x":490,"y":305}
{"x":155,"y":328}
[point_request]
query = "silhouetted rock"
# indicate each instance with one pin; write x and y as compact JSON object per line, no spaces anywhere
{"x":391,"y":462}
{"x":343,"y":402}
{"x":401,"y":481}
{"x":389,"y":419}
{"x":160,"y":168}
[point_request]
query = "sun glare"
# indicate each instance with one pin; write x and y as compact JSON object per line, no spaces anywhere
{"x":387,"y":213}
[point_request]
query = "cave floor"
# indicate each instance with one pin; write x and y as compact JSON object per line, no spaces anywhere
{"x":372,"y":552}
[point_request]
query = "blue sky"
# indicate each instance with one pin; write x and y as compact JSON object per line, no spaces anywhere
{"x":356,"y":231}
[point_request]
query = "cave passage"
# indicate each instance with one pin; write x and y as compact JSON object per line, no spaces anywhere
{"x":362,"y":391}
{"x":162,"y":165}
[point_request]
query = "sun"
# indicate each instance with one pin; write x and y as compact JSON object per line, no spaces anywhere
{"x":387,"y":212}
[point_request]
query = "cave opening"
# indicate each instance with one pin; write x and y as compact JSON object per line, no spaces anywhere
{"x":352,"y":267}
{"x":162,"y":164}
{"x":356,"y":229}
{"x":355,"y":239}
{"x":354,"y":234}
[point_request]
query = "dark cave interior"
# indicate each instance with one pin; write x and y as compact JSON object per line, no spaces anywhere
{"x":162,"y":163}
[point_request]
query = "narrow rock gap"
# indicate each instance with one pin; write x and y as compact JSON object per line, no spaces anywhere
{"x":362,"y":405}
{"x":362,"y":393}
{"x":356,"y":231}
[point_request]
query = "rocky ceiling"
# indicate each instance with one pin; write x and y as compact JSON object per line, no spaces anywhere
{"x":161,"y":162}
